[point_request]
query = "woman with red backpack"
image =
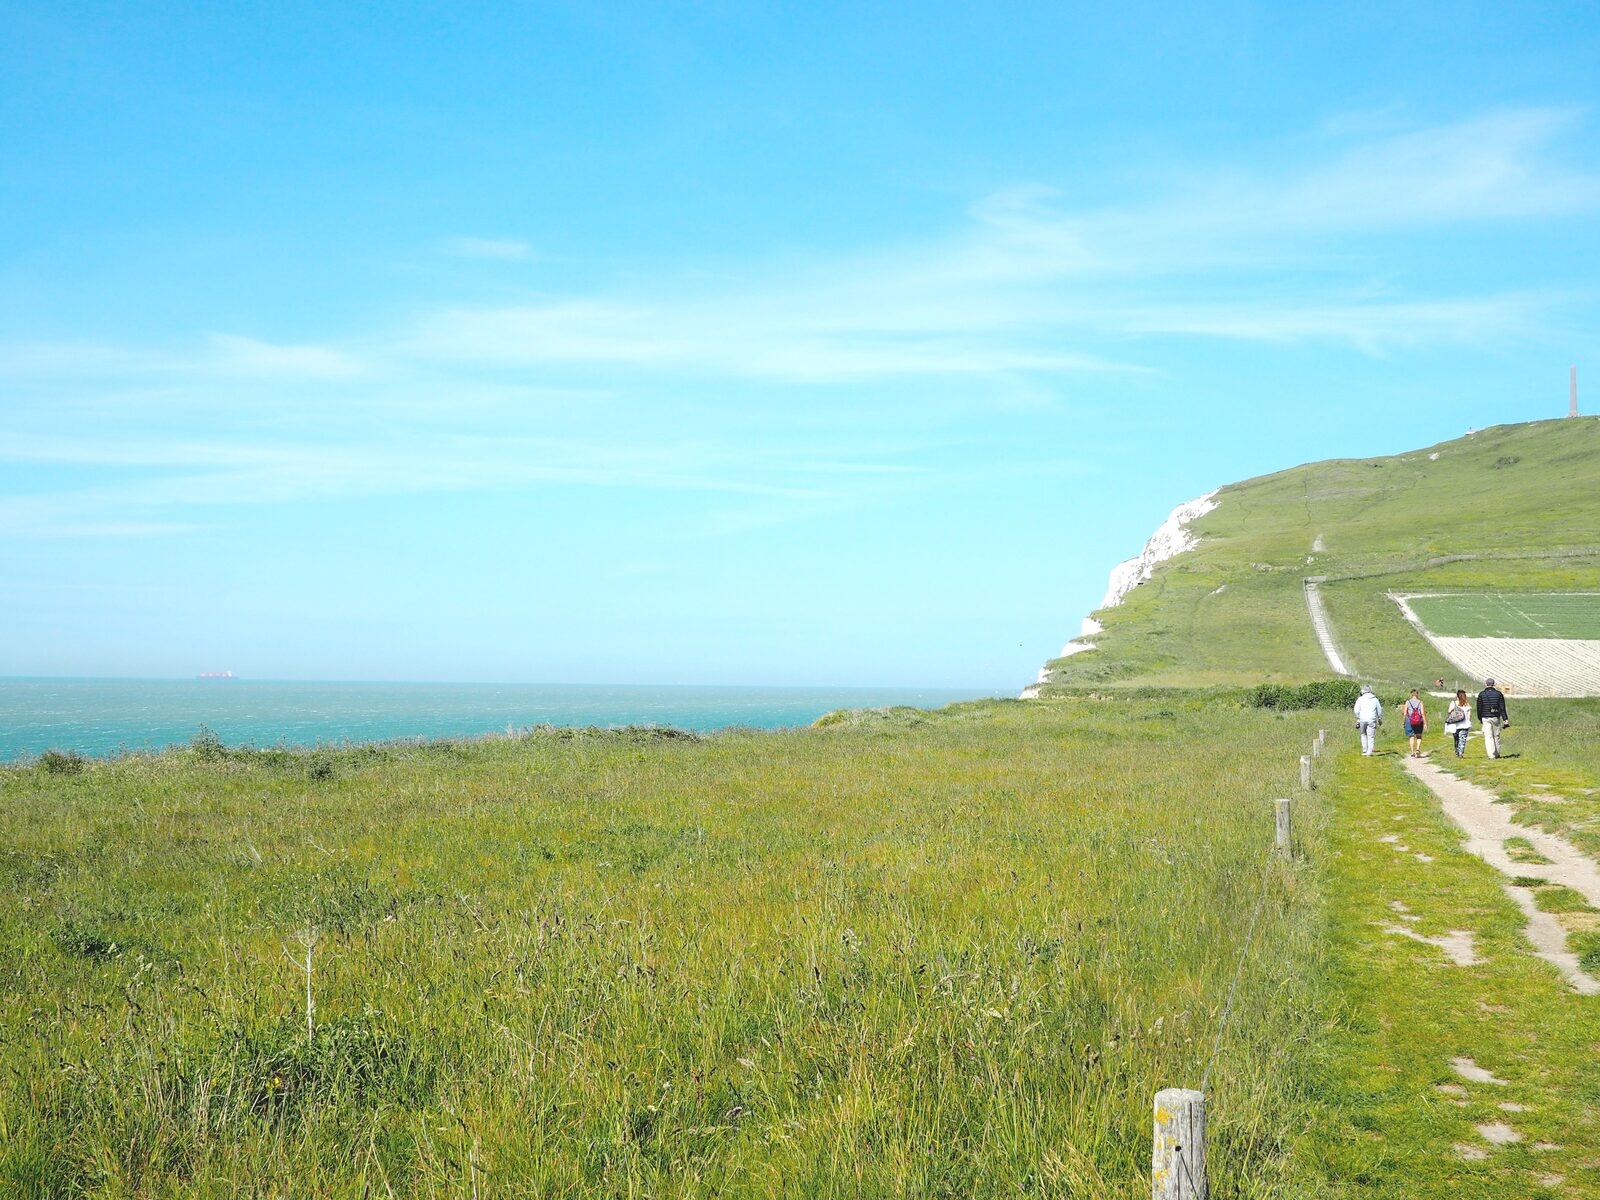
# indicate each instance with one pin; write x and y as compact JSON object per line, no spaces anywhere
{"x":1415,"y":719}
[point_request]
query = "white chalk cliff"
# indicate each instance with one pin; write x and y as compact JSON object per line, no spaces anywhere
{"x":1171,"y":539}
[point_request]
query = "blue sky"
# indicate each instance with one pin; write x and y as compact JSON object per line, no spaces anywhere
{"x":725,"y":343}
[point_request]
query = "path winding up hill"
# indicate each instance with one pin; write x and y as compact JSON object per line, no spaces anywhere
{"x":1234,"y":609}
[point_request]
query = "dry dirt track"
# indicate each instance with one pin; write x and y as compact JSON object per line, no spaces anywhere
{"x":1487,"y":826}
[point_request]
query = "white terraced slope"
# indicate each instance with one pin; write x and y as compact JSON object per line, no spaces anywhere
{"x":1529,"y":666}
{"x":1525,"y":666}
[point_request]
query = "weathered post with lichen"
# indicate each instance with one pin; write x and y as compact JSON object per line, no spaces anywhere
{"x":1178,"y":1158}
{"x":1281,"y":812}
{"x":1305,"y":772}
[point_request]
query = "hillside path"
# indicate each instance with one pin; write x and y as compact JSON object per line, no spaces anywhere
{"x":1324,"y":627}
{"x":1487,"y":825}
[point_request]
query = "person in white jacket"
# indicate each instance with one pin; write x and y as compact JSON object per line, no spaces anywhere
{"x":1369,"y":715}
{"x":1458,"y":722}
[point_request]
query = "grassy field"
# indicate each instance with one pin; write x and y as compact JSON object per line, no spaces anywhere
{"x":948,"y":954}
{"x":933,"y":955}
{"x":1499,"y":614}
{"x":1233,"y":611}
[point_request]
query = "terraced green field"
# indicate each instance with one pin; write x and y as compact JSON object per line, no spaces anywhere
{"x":1499,"y":614}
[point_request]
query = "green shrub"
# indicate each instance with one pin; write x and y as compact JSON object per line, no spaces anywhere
{"x":898,"y":716}
{"x":1324,"y":693}
{"x":61,"y":762}
{"x":206,"y":745}
{"x":655,"y":733}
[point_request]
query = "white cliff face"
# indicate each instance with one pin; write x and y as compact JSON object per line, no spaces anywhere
{"x":1170,"y":540}
{"x":1080,"y":643}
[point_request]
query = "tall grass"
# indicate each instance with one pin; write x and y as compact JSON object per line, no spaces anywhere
{"x":944,"y":954}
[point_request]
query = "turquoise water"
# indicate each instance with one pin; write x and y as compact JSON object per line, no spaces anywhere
{"x":108,"y":716}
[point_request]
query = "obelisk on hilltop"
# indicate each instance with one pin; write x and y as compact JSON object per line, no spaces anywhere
{"x":1572,"y":407}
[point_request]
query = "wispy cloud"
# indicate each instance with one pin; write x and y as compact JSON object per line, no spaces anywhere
{"x":217,"y":355}
{"x":235,"y":355}
{"x":189,"y":476}
{"x":1028,"y":294}
{"x":773,"y":337}
{"x":1372,"y":326}
{"x":52,"y":529}
{"x":1031,"y":283}
{"x":498,"y":249}
{"x":1495,"y":167}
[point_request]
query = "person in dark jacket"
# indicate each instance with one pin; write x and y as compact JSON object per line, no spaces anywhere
{"x":1492,"y":715}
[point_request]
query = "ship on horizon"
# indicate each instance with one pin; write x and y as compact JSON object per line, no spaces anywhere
{"x":217,"y":675}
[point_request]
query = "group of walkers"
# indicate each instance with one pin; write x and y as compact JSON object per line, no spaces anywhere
{"x":1489,"y":706}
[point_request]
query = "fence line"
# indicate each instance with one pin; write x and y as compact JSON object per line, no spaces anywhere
{"x":1238,"y":972}
{"x":1177,"y":1155}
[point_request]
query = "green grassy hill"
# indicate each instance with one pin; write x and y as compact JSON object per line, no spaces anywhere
{"x":1514,"y":507}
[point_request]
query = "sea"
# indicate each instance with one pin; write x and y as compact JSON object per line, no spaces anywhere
{"x":102,"y":717}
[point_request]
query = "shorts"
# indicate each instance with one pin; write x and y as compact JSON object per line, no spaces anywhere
{"x":1416,"y":730}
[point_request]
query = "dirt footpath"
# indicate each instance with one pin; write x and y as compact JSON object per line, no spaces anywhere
{"x":1487,"y":825}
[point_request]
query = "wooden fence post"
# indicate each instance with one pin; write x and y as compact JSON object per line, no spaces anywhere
{"x":1305,"y":772}
{"x":1281,"y":813}
{"x":1178,"y":1160}
{"x":1322,"y":738}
